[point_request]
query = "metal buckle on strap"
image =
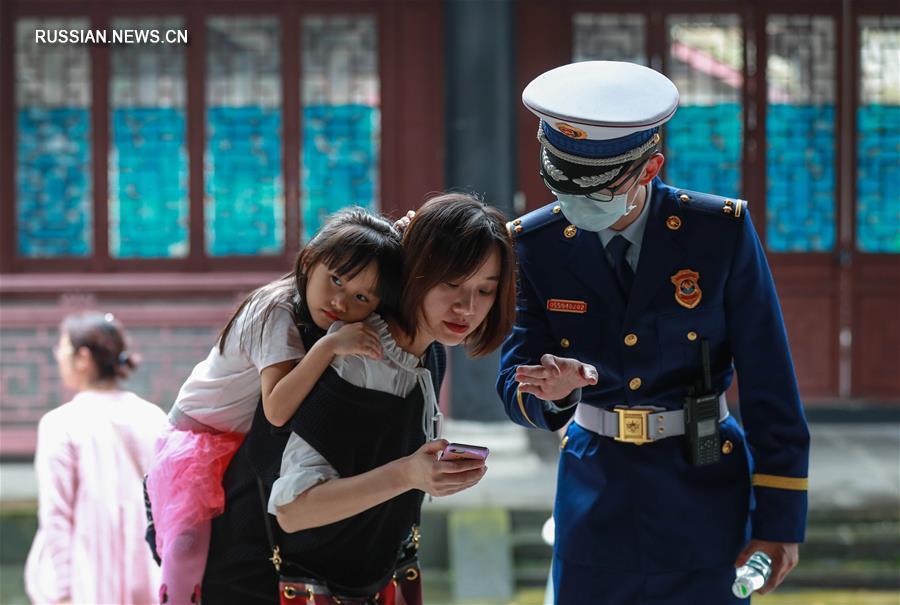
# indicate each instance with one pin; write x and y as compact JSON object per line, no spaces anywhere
{"x":634,"y":425}
{"x":276,"y":558}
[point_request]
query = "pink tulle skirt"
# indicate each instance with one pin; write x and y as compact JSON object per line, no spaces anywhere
{"x":185,"y":480}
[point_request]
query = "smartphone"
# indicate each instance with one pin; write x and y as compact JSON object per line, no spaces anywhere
{"x":461,"y":451}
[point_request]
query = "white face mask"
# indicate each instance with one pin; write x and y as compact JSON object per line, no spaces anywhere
{"x":591,"y":215}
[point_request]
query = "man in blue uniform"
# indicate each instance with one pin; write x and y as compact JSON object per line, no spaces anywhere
{"x":626,"y":285}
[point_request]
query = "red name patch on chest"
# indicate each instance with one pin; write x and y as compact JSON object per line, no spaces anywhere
{"x":566,"y":306}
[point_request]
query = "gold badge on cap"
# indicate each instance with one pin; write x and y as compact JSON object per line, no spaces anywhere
{"x":561,"y":305}
{"x":570,"y":131}
{"x":687,"y":288}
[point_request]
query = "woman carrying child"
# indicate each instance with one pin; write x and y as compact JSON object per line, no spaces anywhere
{"x":348,"y":270}
{"x":362,"y":451}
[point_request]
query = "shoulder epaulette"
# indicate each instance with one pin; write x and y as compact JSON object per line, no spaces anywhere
{"x":534,"y":220}
{"x":712,"y":204}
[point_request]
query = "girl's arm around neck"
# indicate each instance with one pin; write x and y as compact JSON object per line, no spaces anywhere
{"x":339,"y":499}
{"x":285,"y":385}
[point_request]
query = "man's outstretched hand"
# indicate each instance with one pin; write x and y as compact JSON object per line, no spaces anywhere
{"x":555,"y":378}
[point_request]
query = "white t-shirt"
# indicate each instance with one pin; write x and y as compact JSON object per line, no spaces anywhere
{"x":398,"y":373}
{"x":223,"y":390}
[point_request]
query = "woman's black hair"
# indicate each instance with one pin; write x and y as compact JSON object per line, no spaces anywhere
{"x":104,"y":337}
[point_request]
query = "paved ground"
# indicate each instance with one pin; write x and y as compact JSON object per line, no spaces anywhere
{"x":852,"y":465}
{"x":855,"y":465}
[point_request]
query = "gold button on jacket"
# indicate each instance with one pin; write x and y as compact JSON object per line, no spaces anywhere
{"x":634,"y":384}
{"x":631,"y":340}
{"x":564,"y":343}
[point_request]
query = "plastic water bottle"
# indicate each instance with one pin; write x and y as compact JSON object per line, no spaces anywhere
{"x":752,"y":575}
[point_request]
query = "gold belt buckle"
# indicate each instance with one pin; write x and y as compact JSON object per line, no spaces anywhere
{"x":634,"y":425}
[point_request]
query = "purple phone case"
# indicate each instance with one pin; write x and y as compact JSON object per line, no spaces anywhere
{"x":462,"y":451}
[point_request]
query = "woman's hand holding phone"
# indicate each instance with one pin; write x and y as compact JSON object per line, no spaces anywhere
{"x":425,"y":471}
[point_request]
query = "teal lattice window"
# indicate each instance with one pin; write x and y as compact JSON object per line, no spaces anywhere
{"x":54,"y":212}
{"x":148,"y":160}
{"x":340,"y":161}
{"x":800,"y":134}
{"x":244,"y":205}
{"x":704,"y":139}
{"x":878,"y":137}
{"x":703,"y":148}
{"x":341,"y":126}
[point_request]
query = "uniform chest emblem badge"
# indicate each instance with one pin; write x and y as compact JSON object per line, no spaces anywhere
{"x":566,"y":306}
{"x":687,"y":288}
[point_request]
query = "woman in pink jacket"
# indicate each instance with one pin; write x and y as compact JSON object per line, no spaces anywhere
{"x":91,"y":455}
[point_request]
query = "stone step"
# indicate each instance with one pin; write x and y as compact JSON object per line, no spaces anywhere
{"x":879,"y":575}
{"x":844,"y":549}
{"x":869,"y":540}
{"x":849,"y":550}
{"x":873,"y":513}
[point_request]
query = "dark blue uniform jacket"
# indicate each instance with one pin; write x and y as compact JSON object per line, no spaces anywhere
{"x":645,"y":508}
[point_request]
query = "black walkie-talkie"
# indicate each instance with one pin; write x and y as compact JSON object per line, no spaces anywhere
{"x":701,"y":417}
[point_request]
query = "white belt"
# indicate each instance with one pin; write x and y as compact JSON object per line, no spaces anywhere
{"x":638,"y":424}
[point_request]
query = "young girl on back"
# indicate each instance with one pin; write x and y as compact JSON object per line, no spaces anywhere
{"x":350,"y":269}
